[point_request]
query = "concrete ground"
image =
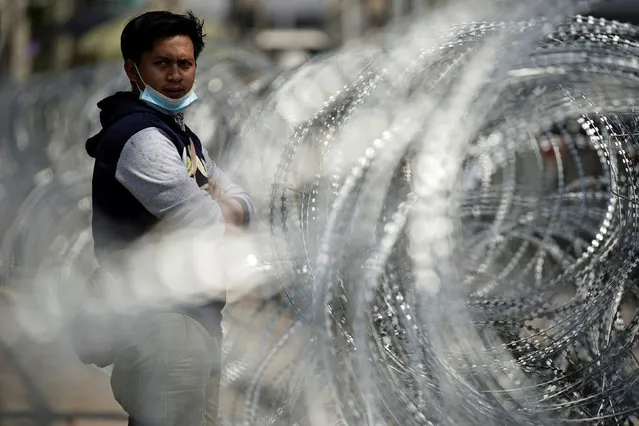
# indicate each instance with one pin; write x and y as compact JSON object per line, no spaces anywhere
{"x":47,"y":378}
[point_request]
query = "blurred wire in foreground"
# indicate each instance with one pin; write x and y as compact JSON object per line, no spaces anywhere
{"x":449,"y":222}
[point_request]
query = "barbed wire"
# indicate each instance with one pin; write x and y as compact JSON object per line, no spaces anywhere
{"x":451,"y":219}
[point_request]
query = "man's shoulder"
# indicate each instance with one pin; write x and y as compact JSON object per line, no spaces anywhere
{"x":129,"y":124}
{"x":111,"y":140}
{"x":122,"y":130}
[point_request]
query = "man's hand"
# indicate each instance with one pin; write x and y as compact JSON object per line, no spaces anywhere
{"x":215,"y":190}
{"x":231,"y":209}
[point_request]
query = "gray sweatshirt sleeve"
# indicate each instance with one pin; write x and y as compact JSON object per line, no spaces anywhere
{"x":229,"y":188}
{"x":153,"y":171}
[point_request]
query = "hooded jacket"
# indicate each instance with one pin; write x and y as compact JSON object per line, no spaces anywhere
{"x":119,"y":218}
{"x":144,"y":175}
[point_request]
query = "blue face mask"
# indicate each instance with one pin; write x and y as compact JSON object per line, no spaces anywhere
{"x":163,"y":103}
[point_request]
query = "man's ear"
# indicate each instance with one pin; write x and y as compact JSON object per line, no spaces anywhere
{"x":131,"y":72}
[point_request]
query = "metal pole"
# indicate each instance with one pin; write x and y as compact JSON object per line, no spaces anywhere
{"x":5,"y":20}
{"x":19,"y":39}
{"x":63,"y":47}
{"x":352,"y":18}
{"x":419,"y":6}
{"x":398,"y":9}
{"x":172,"y":5}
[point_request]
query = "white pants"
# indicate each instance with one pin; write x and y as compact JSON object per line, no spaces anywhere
{"x":166,"y":372}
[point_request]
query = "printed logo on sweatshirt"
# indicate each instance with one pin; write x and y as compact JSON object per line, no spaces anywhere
{"x":199,"y":171}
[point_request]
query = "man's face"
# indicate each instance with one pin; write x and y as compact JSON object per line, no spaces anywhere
{"x":169,"y":68}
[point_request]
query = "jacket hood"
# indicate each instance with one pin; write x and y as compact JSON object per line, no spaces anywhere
{"x":111,"y":110}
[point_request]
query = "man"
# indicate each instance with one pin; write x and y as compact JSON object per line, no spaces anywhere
{"x":152,"y":172}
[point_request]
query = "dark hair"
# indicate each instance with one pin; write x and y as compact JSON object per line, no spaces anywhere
{"x":141,"y":33}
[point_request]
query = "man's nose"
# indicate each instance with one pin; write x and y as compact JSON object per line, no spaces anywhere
{"x":174,"y":74}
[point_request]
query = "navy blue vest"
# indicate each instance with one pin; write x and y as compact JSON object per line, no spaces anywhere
{"x":119,"y":219}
